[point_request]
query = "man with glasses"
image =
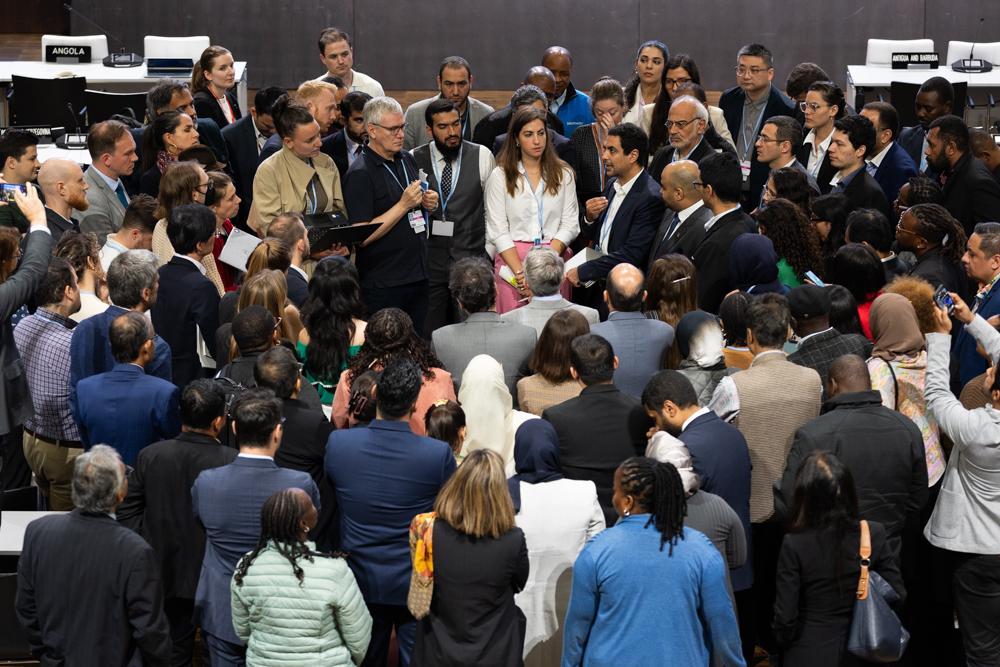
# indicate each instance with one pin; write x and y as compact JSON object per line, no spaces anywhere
{"x":454,"y":81}
{"x":686,"y":124}
{"x":384,"y":186}
{"x":889,"y":164}
{"x":852,"y":141}
{"x":746,"y":107}
{"x":937,"y":241}
{"x":777,"y":145}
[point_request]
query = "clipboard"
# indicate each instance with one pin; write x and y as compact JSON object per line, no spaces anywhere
{"x":327,"y":229}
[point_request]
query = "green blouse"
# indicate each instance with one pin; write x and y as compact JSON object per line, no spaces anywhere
{"x":324,"y":389}
{"x":786,"y":274}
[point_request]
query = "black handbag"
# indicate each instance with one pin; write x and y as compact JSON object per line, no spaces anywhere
{"x":876,"y":633}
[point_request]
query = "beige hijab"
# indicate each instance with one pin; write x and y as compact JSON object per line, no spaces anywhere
{"x":895,"y":328}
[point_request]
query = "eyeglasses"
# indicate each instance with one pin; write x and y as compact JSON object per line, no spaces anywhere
{"x":680,"y":124}
{"x":676,"y":82}
{"x":742,"y":70}
{"x":768,"y":140}
{"x":901,"y":228}
{"x":396,"y":129}
{"x":812,"y":106}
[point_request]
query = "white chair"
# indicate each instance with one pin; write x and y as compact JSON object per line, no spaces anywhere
{"x":986,"y":50}
{"x":880,"y":50}
{"x":175,"y":47}
{"x":98,"y":44}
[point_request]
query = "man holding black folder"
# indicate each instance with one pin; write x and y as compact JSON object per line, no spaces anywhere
{"x":384,"y":186}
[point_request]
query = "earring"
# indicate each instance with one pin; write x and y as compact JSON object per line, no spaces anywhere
{"x":627,"y":513}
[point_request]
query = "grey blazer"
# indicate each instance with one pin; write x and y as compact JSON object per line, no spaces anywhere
{"x":966,"y":518}
{"x":105,"y":214}
{"x":484,"y":333}
{"x":536,"y":313}
{"x":638,"y":343}
{"x":416,"y":126}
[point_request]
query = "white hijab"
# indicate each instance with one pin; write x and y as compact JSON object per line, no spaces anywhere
{"x":665,"y":448}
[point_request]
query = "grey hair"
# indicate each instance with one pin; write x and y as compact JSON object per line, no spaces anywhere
{"x":98,"y":476}
{"x":377,"y":107}
{"x":528,"y":94}
{"x":989,"y":237}
{"x":129,"y":274}
{"x":543,"y":271}
{"x":700,"y":111}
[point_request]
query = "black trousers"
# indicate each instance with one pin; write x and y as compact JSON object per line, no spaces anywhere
{"x":180,"y":615}
{"x":767,"y":539}
{"x":410,"y":298}
{"x":385,"y":618}
{"x":977,"y":600}
{"x":14,"y":470}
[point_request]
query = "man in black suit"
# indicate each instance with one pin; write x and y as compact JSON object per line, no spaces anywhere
{"x":345,"y":145}
{"x":984,"y":147}
{"x":304,"y":436}
{"x":819,"y":343}
{"x":970,"y":193}
{"x":529,"y":95}
{"x":107,"y":609}
{"x":625,"y":218}
{"x":65,"y":191}
{"x":602,"y":426}
{"x":686,"y":124}
{"x":244,"y":140}
{"x":682,"y":228}
{"x":854,"y":140}
{"x":746,"y":106}
{"x":777,"y":145}
{"x":158,"y":504}
{"x":186,"y":313}
{"x":934,"y":99}
{"x":539,"y":80}
{"x":290,"y":228}
{"x":720,"y":189}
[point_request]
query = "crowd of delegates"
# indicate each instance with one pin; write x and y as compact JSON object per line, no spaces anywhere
{"x":657,"y":452}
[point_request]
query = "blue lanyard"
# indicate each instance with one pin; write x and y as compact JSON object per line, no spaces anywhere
{"x":406,"y":175}
{"x":455,"y":170}
{"x":748,"y":142}
{"x":539,"y":196}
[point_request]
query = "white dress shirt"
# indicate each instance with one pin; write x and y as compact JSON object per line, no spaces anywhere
{"x":621,"y":191}
{"x":818,"y":151}
{"x":261,"y":139}
{"x":511,"y":218}
{"x":90,"y":305}
{"x":201,"y":267}
{"x":711,"y":221}
{"x":877,"y":160}
{"x":486,"y":165}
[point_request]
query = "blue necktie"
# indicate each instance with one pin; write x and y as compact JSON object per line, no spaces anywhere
{"x":674,"y":222}
{"x":871,"y":168}
{"x":120,"y":191}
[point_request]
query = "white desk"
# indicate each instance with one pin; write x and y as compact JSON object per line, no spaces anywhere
{"x":12,"y":525}
{"x":866,"y":77}
{"x":49,"y":151}
{"x":113,"y":79}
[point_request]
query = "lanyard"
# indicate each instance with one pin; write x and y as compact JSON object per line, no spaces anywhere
{"x":749,"y":141}
{"x":406,"y":175}
{"x":455,"y":170}
{"x":539,"y":196}
{"x":600,"y":149}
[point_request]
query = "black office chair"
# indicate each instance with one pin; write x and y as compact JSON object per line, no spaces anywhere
{"x":47,"y":101}
{"x":101,"y":106}
{"x":14,"y":648}
{"x":903,"y":95}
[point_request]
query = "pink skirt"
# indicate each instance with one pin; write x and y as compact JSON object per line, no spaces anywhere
{"x":508,"y":298}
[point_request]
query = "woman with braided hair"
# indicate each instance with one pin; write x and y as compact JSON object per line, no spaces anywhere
{"x":938,"y":240}
{"x":291,"y":604}
{"x":390,"y":336}
{"x":650,"y":591}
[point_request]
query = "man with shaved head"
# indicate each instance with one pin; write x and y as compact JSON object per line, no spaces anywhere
{"x":638,"y":341}
{"x":572,"y":106}
{"x":65,"y":191}
{"x":683,"y":225}
{"x":984,"y":146}
{"x":882,"y":448}
{"x":496,"y":123}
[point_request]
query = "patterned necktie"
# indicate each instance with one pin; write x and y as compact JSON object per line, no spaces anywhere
{"x":120,"y":191}
{"x":446,"y":180}
{"x":871,"y":168}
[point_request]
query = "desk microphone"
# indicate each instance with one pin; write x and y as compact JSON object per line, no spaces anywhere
{"x":120,"y":59}
{"x":77,"y":141}
{"x":972,"y":65}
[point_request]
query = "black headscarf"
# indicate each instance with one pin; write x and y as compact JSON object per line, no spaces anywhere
{"x":536,"y":457}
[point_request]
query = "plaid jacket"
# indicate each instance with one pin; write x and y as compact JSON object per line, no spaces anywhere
{"x":43,"y":339}
{"x":822,"y":349}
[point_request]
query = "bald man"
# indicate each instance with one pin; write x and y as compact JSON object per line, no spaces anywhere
{"x":683,"y":225}
{"x":496,"y":123}
{"x":984,"y":146}
{"x":638,"y":342}
{"x":572,"y":107}
{"x":65,"y":191}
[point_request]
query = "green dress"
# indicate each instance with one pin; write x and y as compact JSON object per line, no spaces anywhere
{"x":786,"y":274}
{"x":324,"y":389}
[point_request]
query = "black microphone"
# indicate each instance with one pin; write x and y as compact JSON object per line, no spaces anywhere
{"x":121,"y":59}
{"x":972,"y":65}
{"x":979,"y":29}
{"x":78,"y":140}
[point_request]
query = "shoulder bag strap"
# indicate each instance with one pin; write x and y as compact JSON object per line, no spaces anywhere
{"x":865,"y":552}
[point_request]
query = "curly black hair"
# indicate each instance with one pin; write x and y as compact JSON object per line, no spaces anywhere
{"x":390,"y":336}
{"x":794,"y":237}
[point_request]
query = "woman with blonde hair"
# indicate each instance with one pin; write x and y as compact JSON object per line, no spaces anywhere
{"x":480,"y":560}
{"x":270,"y":253}
{"x":266,"y":288}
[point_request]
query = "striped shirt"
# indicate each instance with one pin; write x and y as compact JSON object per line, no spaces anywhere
{"x":43,"y":339}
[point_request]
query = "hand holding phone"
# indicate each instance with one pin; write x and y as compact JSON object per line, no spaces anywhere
{"x":943,"y":299}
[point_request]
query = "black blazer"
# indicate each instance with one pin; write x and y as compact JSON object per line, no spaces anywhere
{"x":158,"y":505}
{"x":826,"y":170}
{"x":335,"y":145}
{"x":149,"y":182}
{"x":663,"y":157}
{"x":598,"y":430}
{"x":685,"y":239}
{"x":971,"y":194}
{"x":864,"y":192}
{"x":59,"y":225}
{"x":208,"y":135}
{"x":241,"y":144}
{"x":206,"y":107}
{"x":112,"y":615}
{"x":563,"y":146}
{"x":489,"y":128}
{"x":911,"y":140}
{"x":632,"y":230}
{"x":473,"y":618}
{"x":298,"y":288}
{"x":896,"y":169}
{"x":186,"y":300}
{"x":712,"y":258}
{"x":731,"y":104}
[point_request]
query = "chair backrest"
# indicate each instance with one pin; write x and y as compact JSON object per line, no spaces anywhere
{"x":903,"y":95}
{"x":175,"y":47}
{"x":880,"y":50}
{"x":13,"y":640}
{"x":986,"y":50}
{"x":44,"y":101}
{"x":102,"y":106}
{"x":24,"y":499}
{"x":98,"y":44}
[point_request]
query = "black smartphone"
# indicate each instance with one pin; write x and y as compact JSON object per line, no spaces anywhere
{"x":7,"y":191}
{"x":943,"y":299}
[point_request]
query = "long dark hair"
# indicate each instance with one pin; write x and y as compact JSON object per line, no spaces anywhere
{"x":279,"y":524}
{"x":859,"y":269}
{"x":334,"y":302}
{"x":553,"y":168}
{"x":824,"y":496}
{"x":633,"y":83}
{"x":833,"y":208}
{"x":657,"y":125}
{"x":937,"y":225}
{"x":794,"y":237}
{"x":844,"y":311}
{"x":657,"y":489}
{"x":390,"y":336}
{"x":792,"y":184}
{"x":152,"y":138}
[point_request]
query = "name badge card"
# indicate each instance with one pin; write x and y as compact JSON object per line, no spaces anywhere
{"x":745,"y":168}
{"x":443,"y":227}
{"x":416,"y":219}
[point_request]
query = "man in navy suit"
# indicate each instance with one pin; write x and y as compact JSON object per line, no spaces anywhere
{"x":126,"y":408}
{"x":934,"y":99}
{"x":721,"y":461}
{"x":625,"y":219}
{"x":385,"y":475}
{"x":244,"y":140}
{"x":227,"y":502}
{"x":889,"y":163}
{"x":746,"y":107}
{"x":982,"y":264}
{"x":687,"y":123}
{"x":345,"y":145}
{"x":187,"y":305}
